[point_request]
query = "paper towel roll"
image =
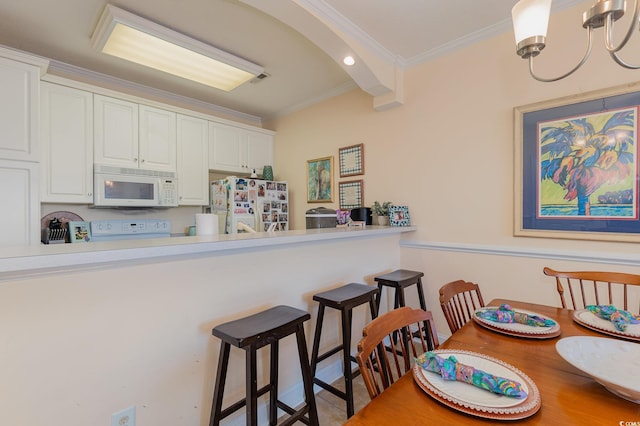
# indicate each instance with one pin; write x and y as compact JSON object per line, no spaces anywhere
{"x":206,"y":224}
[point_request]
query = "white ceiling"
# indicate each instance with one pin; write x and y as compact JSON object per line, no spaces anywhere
{"x":402,"y":32}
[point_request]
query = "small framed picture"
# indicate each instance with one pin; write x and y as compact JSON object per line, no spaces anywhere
{"x":399,"y":216}
{"x":320,"y":180}
{"x":79,"y":232}
{"x":351,"y":194}
{"x":351,"y":160}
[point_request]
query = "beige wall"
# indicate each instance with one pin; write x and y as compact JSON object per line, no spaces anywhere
{"x":448,"y":153}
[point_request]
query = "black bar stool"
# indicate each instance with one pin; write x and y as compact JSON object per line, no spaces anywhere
{"x":344,"y":299}
{"x":251,"y":333}
{"x":399,"y":280}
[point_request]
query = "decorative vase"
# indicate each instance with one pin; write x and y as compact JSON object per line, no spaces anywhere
{"x":383,"y":220}
{"x":267,"y":173}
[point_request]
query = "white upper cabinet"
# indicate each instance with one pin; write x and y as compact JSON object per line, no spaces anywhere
{"x":157,"y":146}
{"x":66,"y":136}
{"x":115,"y":132}
{"x":259,"y":150}
{"x":19,"y":110}
{"x":135,"y":136}
{"x":193,"y":155}
{"x":238,"y":150}
{"x":227,"y":148}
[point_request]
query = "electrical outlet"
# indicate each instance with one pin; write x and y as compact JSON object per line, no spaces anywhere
{"x":126,"y":417}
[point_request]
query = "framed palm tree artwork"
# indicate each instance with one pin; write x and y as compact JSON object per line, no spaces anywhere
{"x":576,"y":162}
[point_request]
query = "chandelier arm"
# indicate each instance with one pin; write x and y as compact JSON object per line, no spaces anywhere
{"x":622,"y":63}
{"x":608,"y":31}
{"x":584,"y":59}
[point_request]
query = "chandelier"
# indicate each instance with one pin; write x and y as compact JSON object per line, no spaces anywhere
{"x":531,"y":19}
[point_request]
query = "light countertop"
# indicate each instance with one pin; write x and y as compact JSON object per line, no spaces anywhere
{"x":39,"y":259}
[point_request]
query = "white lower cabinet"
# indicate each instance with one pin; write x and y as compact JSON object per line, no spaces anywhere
{"x":20,"y":208}
{"x":193,"y":160}
{"x":66,"y":135}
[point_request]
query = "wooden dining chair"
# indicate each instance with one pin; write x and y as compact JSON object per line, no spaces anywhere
{"x":382,"y":357}
{"x":459,"y":300}
{"x":597,"y":288}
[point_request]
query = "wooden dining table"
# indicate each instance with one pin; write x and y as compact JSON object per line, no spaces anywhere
{"x":569,"y":396}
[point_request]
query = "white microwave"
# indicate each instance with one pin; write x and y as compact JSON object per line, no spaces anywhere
{"x":123,"y":187}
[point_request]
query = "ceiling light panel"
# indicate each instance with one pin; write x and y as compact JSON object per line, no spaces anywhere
{"x":128,"y":36}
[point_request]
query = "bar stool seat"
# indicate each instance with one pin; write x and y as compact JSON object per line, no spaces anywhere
{"x":251,"y":333}
{"x":399,"y":280}
{"x":344,"y":299}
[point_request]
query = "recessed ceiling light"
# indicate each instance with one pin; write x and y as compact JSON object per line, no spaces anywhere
{"x":348,"y":60}
{"x":128,"y":36}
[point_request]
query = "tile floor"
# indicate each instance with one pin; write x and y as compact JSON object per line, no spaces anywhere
{"x":332,"y":411}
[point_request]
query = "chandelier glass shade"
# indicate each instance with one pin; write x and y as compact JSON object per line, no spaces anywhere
{"x":531,"y":20}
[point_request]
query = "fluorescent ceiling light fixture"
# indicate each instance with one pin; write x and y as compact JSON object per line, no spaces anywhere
{"x":128,"y":36}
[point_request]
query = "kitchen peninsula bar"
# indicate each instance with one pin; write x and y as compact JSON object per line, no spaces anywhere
{"x":19,"y":261}
{"x":90,"y":329}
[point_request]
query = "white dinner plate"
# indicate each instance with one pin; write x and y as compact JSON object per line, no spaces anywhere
{"x":472,"y":394}
{"x":517,"y":328}
{"x":476,"y":401}
{"x":589,"y":319}
{"x":613,"y":363}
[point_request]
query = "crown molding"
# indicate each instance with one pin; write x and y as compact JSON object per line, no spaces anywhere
{"x":326,"y":11}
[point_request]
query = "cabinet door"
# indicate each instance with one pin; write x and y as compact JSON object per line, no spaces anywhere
{"x":227,"y":151}
{"x":157,"y":139}
{"x":19,"y":96}
{"x":193,"y":155}
{"x":66,"y":133}
{"x":115,"y":132}
{"x":20,"y":208}
{"x":259,"y":150}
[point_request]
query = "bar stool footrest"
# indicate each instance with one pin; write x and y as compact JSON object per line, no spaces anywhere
{"x":330,"y":352}
{"x":326,"y":386}
{"x":294,"y":415}
{"x":238,"y":405}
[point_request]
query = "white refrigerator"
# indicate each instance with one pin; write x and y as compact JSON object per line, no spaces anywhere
{"x":251,"y":205}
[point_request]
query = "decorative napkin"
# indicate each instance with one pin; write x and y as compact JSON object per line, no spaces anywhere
{"x":450,"y":369}
{"x":620,"y":318}
{"x":505,"y":314}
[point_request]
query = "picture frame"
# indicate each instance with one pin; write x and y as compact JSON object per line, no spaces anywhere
{"x":79,"y":231}
{"x":351,"y":194}
{"x":351,"y":160}
{"x":399,"y":216}
{"x":576,"y":167}
{"x":320,"y":180}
